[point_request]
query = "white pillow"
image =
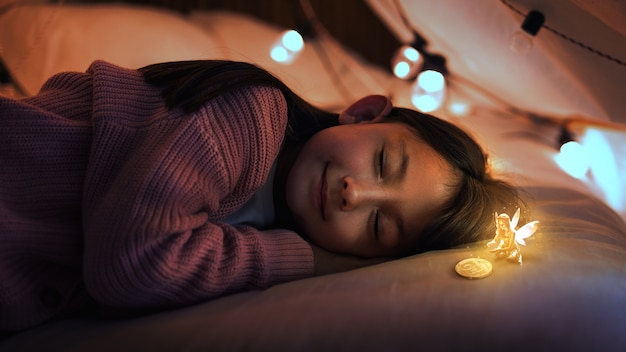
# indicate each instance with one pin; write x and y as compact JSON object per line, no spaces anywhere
{"x":39,"y":41}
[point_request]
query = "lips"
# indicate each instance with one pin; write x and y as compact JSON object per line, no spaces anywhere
{"x":323,"y":192}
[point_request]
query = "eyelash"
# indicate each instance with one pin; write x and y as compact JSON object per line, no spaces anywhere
{"x":376,"y":221}
{"x":380,"y":162}
{"x":381,"y":159}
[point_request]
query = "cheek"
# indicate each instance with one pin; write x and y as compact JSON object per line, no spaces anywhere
{"x":341,"y":235}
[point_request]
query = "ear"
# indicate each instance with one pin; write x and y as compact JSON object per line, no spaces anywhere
{"x":372,"y":108}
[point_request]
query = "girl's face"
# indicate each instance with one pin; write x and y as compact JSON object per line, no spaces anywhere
{"x":367,"y":189}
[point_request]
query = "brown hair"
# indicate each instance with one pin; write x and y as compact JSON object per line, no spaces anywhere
{"x":469,"y":215}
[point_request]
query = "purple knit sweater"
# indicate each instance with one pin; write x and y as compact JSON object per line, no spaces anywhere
{"x":107,"y":195}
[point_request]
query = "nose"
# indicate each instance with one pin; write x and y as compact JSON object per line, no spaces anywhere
{"x":354,"y":194}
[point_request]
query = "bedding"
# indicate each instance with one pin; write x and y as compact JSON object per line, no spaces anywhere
{"x":47,"y":39}
{"x":41,"y":40}
{"x":569,"y":294}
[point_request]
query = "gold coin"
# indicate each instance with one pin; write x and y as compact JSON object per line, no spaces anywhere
{"x":474,"y":268}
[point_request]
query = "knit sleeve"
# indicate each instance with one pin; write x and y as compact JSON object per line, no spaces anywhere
{"x":158,"y":185}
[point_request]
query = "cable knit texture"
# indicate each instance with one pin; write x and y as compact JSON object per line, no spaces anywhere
{"x":107,"y":195}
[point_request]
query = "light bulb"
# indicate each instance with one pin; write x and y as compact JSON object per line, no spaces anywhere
{"x":431,"y":81}
{"x":406,"y":62}
{"x":522,"y":40}
{"x":429,"y":91}
{"x":459,"y":108}
{"x":425,"y":102}
{"x":606,"y":147}
{"x":287,"y":47}
{"x":572,"y":158}
{"x":520,"y":43}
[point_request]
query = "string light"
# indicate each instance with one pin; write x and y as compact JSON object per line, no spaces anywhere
{"x":522,"y":40}
{"x":572,"y":40}
{"x":328,"y":51}
{"x":429,"y":91}
{"x":605,"y":146}
{"x":287,"y":47}
{"x":459,"y":108}
{"x":595,"y":158}
{"x":572,"y":158}
{"x":406,"y":62}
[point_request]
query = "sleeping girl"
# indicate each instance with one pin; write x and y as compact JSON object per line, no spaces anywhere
{"x":141,"y":190}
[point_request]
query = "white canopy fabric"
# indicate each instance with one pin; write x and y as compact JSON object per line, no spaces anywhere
{"x":577,"y":65}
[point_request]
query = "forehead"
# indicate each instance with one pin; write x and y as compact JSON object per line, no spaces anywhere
{"x":391,"y":127}
{"x":386,"y":129}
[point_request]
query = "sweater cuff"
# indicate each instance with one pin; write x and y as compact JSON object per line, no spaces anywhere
{"x":288,"y":256}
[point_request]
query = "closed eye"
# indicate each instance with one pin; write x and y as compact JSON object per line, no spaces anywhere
{"x":380,"y":170}
{"x":381,"y":162}
{"x":376,"y":223}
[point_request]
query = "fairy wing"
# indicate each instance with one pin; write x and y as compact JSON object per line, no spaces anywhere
{"x":526,"y":231}
{"x":515,"y":219}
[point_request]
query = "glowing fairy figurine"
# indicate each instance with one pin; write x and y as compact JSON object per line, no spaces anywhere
{"x":505,"y":243}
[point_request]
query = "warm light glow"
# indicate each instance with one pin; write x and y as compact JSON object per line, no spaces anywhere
{"x":572,"y":158}
{"x":279,"y":54}
{"x":402,"y":69}
{"x":406,"y":62}
{"x":505,"y":243}
{"x":293,"y":41}
{"x":598,"y":160}
{"x":425,"y":103}
{"x":605,"y":165}
{"x":411,"y":53}
{"x":429,"y":91}
{"x":287,"y":47}
{"x":431,"y":81}
{"x":459,"y":108}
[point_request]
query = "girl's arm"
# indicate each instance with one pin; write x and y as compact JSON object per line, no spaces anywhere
{"x":157,"y":186}
{"x":193,"y":265}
